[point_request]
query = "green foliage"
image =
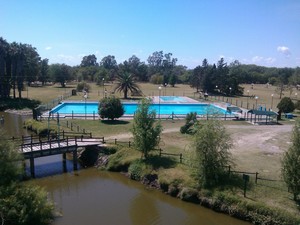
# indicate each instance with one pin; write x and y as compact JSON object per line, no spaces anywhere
{"x":9,"y":103}
{"x":286,"y":105}
{"x":125,"y":83}
{"x":291,"y":162}
{"x":9,"y":168}
{"x":121,"y":160}
{"x":110,"y":108}
{"x":39,"y":127}
{"x":25,"y":205}
{"x":20,"y":204}
{"x":83,"y":86}
{"x":190,"y":121}
{"x":136,"y":169}
{"x":157,"y":79}
{"x":145,"y":132}
{"x":61,"y":73}
{"x":211,"y":156}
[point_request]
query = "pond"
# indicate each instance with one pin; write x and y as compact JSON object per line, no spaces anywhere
{"x":98,"y":197}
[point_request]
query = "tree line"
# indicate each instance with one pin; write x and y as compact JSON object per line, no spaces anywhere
{"x":21,"y":65}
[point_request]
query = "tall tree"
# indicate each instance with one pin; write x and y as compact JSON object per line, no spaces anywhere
{"x":110,"y":64}
{"x":60,"y":73}
{"x":145,"y":130}
{"x":5,"y":66}
{"x":89,"y":60}
{"x":285,"y":105}
{"x":291,"y":162}
{"x":125,"y":83}
{"x":211,"y":155}
{"x":44,"y":71}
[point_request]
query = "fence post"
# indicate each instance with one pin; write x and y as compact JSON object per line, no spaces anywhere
{"x":180,"y":157}
{"x":256,"y":177}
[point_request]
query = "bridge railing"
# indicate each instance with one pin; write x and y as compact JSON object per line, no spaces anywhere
{"x":57,"y":142}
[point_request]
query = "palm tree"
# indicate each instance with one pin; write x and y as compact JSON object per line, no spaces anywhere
{"x":126,"y":82}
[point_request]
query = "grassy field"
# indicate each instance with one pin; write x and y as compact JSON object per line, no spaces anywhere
{"x":256,"y":149}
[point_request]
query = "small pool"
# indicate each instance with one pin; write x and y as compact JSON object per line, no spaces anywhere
{"x":130,"y":108}
{"x":174,"y":99}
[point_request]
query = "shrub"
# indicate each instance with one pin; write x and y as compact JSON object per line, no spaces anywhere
{"x":135,"y":169}
{"x":110,"y":108}
{"x":83,"y":86}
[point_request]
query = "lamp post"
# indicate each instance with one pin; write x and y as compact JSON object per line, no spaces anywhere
{"x":247,"y":98}
{"x":159,"y":90}
{"x":256,"y":97}
{"x":230,"y":90}
{"x":272,"y":95}
{"x":166,"y":89}
{"x":103,"y":86}
{"x":85,"y":96}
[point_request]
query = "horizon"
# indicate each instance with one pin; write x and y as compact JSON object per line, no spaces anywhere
{"x":252,"y":32}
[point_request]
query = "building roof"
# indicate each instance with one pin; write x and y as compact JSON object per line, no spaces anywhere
{"x":262,"y":112}
{"x":234,"y":109}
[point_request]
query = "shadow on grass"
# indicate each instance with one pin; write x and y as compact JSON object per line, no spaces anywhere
{"x":115,"y":122}
{"x":159,"y":161}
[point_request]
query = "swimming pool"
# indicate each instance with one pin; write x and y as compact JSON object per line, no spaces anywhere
{"x":130,"y":108}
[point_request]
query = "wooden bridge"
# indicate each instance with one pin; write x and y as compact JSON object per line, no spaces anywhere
{"x":34,"y":147}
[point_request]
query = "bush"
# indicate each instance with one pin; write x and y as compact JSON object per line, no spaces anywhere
{"x":110,"y":108}
{"x":135,"y":169}
{"x":83,"y":86}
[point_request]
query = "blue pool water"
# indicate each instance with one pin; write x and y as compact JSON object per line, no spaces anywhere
{"x":130,"y":108}
{"x":173,"y":99}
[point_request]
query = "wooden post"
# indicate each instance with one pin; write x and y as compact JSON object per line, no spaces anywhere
{"x":64,"y":161}
{"x":256,"y":177}
{"x":180,"y":157}
{"x":32,"y":172}
{"x":75,"y":159}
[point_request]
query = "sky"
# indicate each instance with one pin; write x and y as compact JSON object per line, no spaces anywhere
{"x":261,"y":32}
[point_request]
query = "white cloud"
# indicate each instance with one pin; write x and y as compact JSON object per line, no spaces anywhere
{"x":48,"y":48}
{"x":284,"y":50}
{"x":263,"y":61}
{"x":257,"y":59}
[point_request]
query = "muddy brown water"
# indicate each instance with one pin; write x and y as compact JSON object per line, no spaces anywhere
{"x":98,"y":197}
{"x":13,"y":124}
{"x":95,"y":197}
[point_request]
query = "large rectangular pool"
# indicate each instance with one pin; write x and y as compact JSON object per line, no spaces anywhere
{"x":130,"y":108}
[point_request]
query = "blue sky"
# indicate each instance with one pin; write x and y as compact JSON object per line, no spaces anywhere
{"x":262,"y":32}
